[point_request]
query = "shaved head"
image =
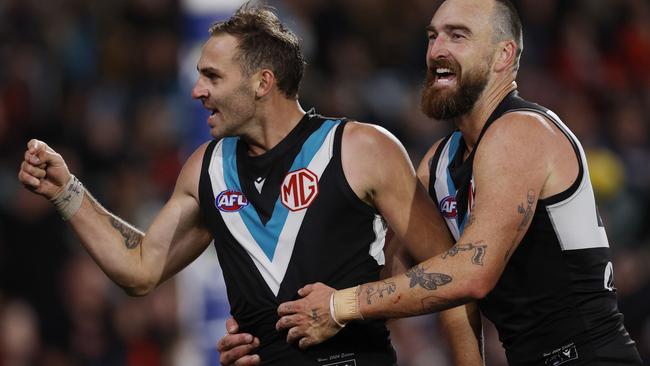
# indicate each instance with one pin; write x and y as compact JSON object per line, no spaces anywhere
{"x":507,"y":25}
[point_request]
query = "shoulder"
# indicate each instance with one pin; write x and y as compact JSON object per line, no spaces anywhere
{"x":372,"y":158}
{"x":371,"y":146}
{"x":520,"y":135}
{"x":188,"y":179}
{"x":521,"y":144}
{"x":366,"y":137}
{"x":520,"y":127}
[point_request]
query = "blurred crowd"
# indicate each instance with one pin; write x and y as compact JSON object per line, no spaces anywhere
{"x":99,"y":81}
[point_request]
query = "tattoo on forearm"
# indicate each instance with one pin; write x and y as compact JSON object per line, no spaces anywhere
{"x":527,"y":217}
{"x":429,"y":281}
{"x":132,"y":238}
{"x":478,"y":248}
{"x":384,"y":287}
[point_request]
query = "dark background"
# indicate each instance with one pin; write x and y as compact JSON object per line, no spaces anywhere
{"x":107,"y":85}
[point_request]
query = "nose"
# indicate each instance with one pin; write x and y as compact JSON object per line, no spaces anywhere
{"x":199,"y":91}
{"x":437,"y":48}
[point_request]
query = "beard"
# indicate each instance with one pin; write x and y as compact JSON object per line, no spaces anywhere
{"x":450,"y":104}
{"x":236,"y":110}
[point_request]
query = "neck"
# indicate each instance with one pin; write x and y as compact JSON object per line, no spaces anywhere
{"x":273,"y":122}
{"x":472,"y":123}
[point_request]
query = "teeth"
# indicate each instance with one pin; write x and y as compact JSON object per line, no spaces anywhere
{"x":442,"y":70}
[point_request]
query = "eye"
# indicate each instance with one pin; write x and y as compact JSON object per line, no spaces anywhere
{"x":457,"y":36}
{"x":432,"y":36}
{"x":213,"y":77}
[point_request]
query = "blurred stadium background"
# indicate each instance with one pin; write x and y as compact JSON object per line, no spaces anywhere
{"x":107,"y":84}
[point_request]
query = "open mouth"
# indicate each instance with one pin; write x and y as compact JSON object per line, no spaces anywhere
{"x":444,"y":76}
{"x":211,"y":117}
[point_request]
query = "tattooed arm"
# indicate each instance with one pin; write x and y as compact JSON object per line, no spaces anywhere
{"x":136,"y":261}
{"x":511,"y":170}
{"x":517,"y":162}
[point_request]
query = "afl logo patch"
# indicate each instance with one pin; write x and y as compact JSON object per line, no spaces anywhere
{"x":299,"y":189}
{"x":448,"y":207}
{"x":230,"y":201}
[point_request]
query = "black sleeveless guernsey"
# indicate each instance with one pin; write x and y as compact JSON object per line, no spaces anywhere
{"x":555,"y":302}
{"x":288,"y":218}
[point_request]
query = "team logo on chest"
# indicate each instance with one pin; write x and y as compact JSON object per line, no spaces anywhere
{"x":448,"y":207}
{"x":299,"y":189}
{"x":230,"y":201}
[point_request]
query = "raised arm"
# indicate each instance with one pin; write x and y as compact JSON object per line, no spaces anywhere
{"x":512,"y":166}
{"x":136,"y":261}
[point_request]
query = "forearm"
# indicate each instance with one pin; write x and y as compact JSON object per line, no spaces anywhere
{"x":462,"y":328}
{"x":116,"y":246}
{"x":442,"y":282}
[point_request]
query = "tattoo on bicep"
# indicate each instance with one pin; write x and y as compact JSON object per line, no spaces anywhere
{"x":429,"y":281}
{"x":132,"y":238}
{"x":384,"y":287}
{"x":525,"y":220}
{"x":528,"y":211}
{"x":479,"y":251}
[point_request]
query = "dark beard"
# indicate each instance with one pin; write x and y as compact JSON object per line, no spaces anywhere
{"x":445,"y":105}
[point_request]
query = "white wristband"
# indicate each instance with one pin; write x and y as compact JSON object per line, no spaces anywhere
{"x":344,"y":305}
{"x":332,"y":311}
{"x":68,"y":201}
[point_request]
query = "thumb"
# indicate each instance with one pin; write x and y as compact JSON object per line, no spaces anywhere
{"x":231,"y":325}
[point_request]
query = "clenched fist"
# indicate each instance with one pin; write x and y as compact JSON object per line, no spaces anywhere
{"x":43,"y":171}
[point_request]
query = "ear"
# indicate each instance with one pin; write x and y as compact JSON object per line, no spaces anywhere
{"x":265,"y":82}
{"x":505,"y":55}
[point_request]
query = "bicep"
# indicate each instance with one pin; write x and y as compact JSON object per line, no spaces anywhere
{"x":182,"y":223}
{"x":179,"y":228}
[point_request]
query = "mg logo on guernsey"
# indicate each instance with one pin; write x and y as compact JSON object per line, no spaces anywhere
{"x":448,"y":207}
{"x":230,"y":201}
{"x":299,"y":189}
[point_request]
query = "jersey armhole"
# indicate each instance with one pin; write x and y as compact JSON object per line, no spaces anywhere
{"x":564,"y":195}
{"x":341,"y":179}
{"x":205,"y":186}
{"x":433,"y":167}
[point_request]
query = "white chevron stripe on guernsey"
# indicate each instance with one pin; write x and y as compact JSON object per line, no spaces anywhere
{"x":236,"y":224}
{"x":272,"y":265}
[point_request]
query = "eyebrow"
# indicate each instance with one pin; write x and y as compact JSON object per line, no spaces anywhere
{"x":207,"y":70}
{"x":450,"y":28}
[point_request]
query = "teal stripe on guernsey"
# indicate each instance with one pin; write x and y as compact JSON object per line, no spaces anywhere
{"x":267,"y":235}
{"x":454,"y":143}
